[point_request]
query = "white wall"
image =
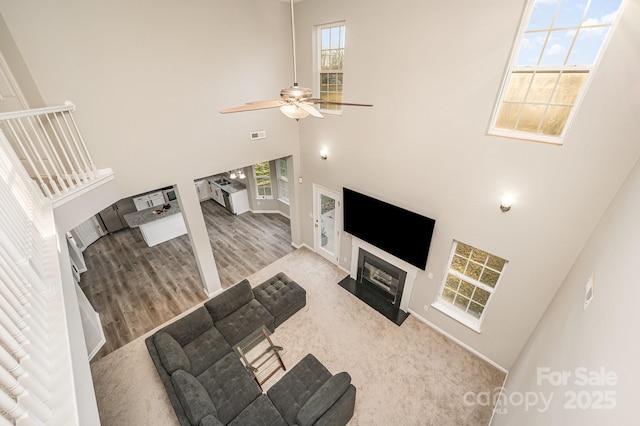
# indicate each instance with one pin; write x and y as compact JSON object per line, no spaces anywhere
{"x":599,"y":341}
{"x":432,"y":70}
{"x":85,"y":409}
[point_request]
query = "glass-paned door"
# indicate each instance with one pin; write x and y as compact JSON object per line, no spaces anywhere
{"x":327,"y":211}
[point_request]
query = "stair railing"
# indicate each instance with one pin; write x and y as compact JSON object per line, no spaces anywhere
{"x":50,"y":146}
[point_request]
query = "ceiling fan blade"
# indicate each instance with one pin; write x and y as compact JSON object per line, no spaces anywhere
{"x":309,"y":108}
{"x":271,"y":102}
{"x":323,"y":102}
{"x":253,"y":107}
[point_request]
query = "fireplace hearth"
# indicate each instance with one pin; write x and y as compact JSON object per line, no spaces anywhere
{"x":379,"y":284}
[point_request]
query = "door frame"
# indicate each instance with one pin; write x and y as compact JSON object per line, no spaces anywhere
{"x":7,"y":75}
{"x":319,"y":190}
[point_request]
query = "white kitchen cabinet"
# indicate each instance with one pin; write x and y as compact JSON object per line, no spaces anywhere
{"x":239,"y":201}
{"x":87,"y":232}
{"x":216,"y":193}
{"x":202,"y":186}
{"x":149,"y":200}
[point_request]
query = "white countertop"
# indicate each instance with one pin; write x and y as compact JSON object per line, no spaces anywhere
{"x":142,"y":217}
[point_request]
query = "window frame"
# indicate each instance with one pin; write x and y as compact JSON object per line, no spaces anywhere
{"x":317,"y":62}
{"x":451,"y":310}
{"x":512,"y":69}
{"x":256,"y":178}
{"x":282,"y":180}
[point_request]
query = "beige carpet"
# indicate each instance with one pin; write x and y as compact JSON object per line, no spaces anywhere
{"x":408,"y":375}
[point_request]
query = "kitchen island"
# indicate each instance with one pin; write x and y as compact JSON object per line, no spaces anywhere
{"x":157,"y":224}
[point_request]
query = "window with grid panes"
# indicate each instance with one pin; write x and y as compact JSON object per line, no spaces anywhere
{"x":470,"y":281}
{"x":262,"y":175}
{"x":283,"y":180}
{"x":331,"y":60}
{"x":558,"y":47}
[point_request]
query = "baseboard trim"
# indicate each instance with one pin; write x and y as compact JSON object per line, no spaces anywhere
{"x":303,"y":245}
{"x":270,"y":211}
{"x":459,"y":342}
{"x":103,"y":339}
{"x":495,"y":407}
{"x":297,"y":246}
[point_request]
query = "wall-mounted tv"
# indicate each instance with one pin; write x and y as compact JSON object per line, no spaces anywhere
{"x":400,"y":232}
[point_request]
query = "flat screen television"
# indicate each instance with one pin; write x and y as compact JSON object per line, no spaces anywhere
{"x":400,"y":232}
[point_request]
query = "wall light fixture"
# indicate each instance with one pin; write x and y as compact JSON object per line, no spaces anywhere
{"x":506,"y":203}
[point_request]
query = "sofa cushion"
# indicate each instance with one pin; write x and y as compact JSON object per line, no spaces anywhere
{"x":297,"y":386}
{"x":229,"y":300}
{"x":244,"y":321}
{"x":205,"y":350}
{"x":260,"y":412}
{"x":193,"y":396}
{"x":281,"y":296}
{"x":185,"y":329}
{"x":230,"y":387}
{"x":171,"y":353}
{"x":327,"y":395}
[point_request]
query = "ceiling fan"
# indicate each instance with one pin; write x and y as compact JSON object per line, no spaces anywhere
{"x":295,"y":101}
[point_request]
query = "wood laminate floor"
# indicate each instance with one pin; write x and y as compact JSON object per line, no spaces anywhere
{"x":135,"y":288}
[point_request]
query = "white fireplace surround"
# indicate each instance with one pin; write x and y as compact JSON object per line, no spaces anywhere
{"x":412,"y":271}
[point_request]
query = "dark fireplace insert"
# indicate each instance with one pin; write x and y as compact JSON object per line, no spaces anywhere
{"x":379,"y":284}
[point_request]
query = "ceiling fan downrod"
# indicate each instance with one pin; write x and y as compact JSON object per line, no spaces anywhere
{"x":293,"y":42}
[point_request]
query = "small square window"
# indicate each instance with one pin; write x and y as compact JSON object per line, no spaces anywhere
{"x":471,"y":280}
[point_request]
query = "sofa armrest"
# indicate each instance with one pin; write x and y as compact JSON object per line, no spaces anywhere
{"x":166,"y":381}
{"x":193,"y":396}
{"x":323,"y":399}
{"x":171,"y":353}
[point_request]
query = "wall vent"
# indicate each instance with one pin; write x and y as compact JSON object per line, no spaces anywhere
{"x":261,"y":134}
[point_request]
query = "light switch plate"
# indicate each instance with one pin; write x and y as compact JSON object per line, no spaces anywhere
{"x":589,"y":290}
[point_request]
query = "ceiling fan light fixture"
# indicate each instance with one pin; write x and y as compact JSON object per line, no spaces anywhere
{"x":295,"y":92}
{"x":293,"y":111}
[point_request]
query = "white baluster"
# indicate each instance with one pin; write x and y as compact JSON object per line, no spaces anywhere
{"x":74,"y":178}
{"x":35,"y":379}
{"x":29,"y":401}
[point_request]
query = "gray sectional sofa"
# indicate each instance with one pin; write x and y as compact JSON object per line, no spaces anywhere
{"x":207,"y":383}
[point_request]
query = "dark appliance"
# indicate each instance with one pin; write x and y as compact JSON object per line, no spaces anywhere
{"x":400,"y":232}
{"x":112,"y":219}
{"x":227,"y":200}
{"x":169,"y":194}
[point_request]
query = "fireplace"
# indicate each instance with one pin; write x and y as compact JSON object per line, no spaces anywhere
{"x":381,"y":275}
{"x":381,"y":280}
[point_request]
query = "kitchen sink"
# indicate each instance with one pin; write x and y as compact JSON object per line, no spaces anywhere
{"x":222,"y":182}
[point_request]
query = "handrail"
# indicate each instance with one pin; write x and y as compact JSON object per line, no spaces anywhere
{"x":49,"y":144}
{"x":68,"y":106}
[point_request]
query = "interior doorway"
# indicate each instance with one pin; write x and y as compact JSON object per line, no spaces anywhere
{"x":327,"y":210}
